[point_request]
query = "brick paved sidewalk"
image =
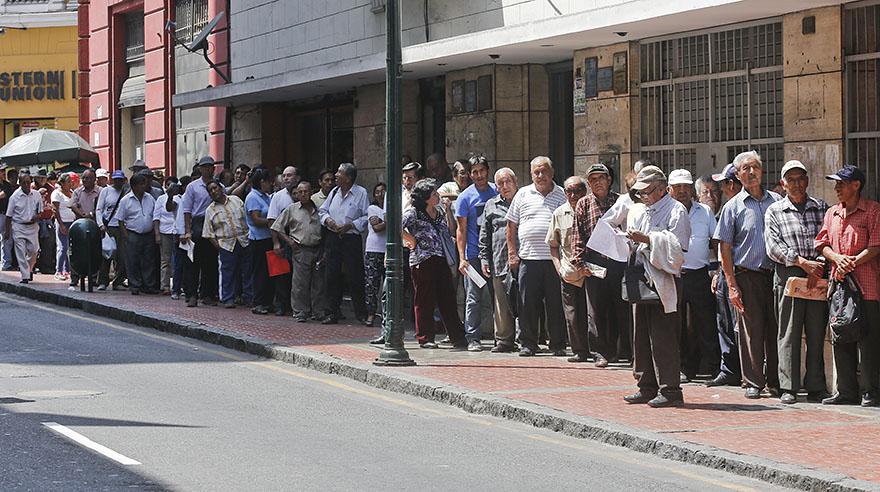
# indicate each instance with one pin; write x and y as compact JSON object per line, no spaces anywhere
{"x":832,"y":439}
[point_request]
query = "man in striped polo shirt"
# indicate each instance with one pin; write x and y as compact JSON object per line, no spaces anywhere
{"x":528,"y":221}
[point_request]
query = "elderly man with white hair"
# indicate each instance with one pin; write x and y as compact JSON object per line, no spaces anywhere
{"x":528,"y":254}
{"x":748,"y":272}
{"x":493,"y":258}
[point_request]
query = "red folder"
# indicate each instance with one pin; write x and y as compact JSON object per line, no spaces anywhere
{"x":278,"y":265}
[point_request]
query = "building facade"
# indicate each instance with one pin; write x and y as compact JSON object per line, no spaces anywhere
{"x":685,"y":84}
{"x":133,"y":57}
{"x":38,"y":67}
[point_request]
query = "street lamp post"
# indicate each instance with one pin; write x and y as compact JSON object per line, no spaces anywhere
{"x":394,"y":354}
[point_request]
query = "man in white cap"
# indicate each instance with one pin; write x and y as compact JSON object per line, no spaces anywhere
{"x":660,"y":236}
{"x":699,"y":337}
{"x":790,"y":229}
{"x":102,"y":178}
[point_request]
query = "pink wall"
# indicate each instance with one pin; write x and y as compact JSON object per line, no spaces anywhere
{"x":102,"y":69}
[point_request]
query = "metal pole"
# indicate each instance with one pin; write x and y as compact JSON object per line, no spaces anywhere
{"x":394,"y":354}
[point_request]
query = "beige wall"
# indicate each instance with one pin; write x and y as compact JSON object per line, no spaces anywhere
{"x":516,"y":128}
{"x":813,"y":96}
{"x":611,"y":122}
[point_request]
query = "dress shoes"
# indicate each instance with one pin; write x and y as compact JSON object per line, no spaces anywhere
{"x":753,"y":393}
{"x":723,"y":380}
{"x":639,"y":397}
{"x":378,"y":341}
{"x":663,"y":401}
{"x":839,"y":399}
{"x":817,"y":396}
{"x":870,"y":400}
{"x":560,"y":353}
{"x":503,"y":348}
{"x":601,"y":361}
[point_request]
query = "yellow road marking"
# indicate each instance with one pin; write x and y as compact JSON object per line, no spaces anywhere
{"x":164,"y":337}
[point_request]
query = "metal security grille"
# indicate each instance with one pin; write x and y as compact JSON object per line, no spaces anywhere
{"x":134,"y":36}
{"x":862,"y":49}
{"x":190,"y":17}
{"x":707,"y":93}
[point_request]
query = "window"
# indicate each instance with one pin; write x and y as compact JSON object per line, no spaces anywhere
{"x":706,"y":96}
{"x":134,"y":36}
{"x":190,"y":17}
{"x":862,"y":49}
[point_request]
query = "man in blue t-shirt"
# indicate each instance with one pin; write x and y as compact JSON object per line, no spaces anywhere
{"x":469,"y":214}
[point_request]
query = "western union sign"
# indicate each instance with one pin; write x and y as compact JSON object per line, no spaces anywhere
{"x":32,"y":86}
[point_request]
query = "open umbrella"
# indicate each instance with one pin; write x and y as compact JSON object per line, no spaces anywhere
{"x":45,"y":147}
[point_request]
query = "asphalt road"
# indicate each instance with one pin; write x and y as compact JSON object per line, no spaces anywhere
{"x":198,"y":417}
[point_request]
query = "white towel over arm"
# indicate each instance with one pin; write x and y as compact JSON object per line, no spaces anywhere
{"x":663,"y":261}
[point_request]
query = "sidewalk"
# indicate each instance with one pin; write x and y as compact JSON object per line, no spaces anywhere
{"x":806,"y":446}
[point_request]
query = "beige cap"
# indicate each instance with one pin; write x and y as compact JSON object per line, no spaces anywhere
{"x":793,"y":164}
{"x":648,"y":175}
{"x":680,"y":176}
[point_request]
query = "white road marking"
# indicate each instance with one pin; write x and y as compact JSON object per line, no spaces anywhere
{"x":88,"y":443}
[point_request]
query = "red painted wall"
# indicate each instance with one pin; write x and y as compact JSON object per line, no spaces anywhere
{"x":103,"y":70}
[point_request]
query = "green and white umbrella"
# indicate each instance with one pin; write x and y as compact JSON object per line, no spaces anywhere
{"x":46,"y":147}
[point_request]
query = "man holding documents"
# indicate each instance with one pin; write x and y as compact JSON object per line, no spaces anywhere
{"x":574,"y":298}
{"x":609,"y":317}
{"x":469,"y":216}
{"x":791,"y":225}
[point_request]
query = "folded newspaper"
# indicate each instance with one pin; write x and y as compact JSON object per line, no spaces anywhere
{"x":797,"y":287}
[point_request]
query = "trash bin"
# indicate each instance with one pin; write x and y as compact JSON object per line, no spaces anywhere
{"x":85,"y":250}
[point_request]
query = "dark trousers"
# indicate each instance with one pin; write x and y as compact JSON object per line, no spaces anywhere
{"x":656,"y":359}
{"x":118,"y":258}
{"x":202,"y":278}
{"x":46,"y":258}
{"x":140,"y":261}
{"x":282,"y":285}
{"x":540,"y":292}
{"x":574,"y":305}
{"x":181,"y":267}
{"x":700,"y":353}
{"x":347,"y":250}
{"x":263,"y":290}
{"x":433,"y":288}
{"x":236,"y":274}
{"x":799,"y":317}
{"x":847,"y":356}
{"x":725,"y":317}
{"x":610,"y":317}
{"x":758,"y":331}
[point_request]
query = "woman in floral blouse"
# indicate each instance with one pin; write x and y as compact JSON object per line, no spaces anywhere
{"x":425,"y":230}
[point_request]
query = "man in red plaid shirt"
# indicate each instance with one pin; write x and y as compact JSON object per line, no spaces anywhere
{"x":850,"y":241}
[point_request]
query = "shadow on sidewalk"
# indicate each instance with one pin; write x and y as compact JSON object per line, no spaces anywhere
{"x":730,"y":407}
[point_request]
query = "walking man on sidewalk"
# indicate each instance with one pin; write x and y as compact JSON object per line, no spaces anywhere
{"x":493,"y":256}
{"x":469,"y":214}
{"x":729,"y":373}
{"x":609,"y":317}
{"x":299,"y":228}
{"x":747,"y":271}
{"x":850,"y":240}
{"x":22,"y":213}
{"x":660,"y":236}
{"x":790,"y":229}
{"x":202,"y":277}
{"x":136,"y":227}
{"x":574,"y":297}
{"x":106,"y":215}
{"x":699,"y":335}
{"x":528,"y":221}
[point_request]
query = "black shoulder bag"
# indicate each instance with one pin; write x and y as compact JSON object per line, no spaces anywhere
{"x":634,"y":287}
{"x":845,"y":311}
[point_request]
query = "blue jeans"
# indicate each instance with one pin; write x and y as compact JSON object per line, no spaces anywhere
{"x":472,"y":309}
{"x":62,"y":261}
{"x":236,"y":274}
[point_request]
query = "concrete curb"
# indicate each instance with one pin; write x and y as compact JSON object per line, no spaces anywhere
{"x":769,"y":471}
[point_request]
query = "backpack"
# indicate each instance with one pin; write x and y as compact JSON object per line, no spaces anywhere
{"x":845,"y":312}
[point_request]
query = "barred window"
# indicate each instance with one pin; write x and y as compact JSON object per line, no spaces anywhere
{"x":134,"y":36}
{"x":709,"y":94}
{"x":861,"y":29}
{"x":190,"y":17}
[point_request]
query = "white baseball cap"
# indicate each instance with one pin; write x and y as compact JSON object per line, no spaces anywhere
{"x":793,"y":164}
{"x":680,"y":176}
{"x":102,"y":173}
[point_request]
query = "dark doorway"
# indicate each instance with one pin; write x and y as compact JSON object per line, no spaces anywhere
{"x":432,"y":93}
{"x":561,"y":119}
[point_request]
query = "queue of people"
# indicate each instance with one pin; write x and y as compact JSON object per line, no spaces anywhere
{"x":680,"y":278}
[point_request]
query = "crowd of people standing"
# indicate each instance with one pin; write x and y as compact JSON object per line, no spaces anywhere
{"x":677,"y":277}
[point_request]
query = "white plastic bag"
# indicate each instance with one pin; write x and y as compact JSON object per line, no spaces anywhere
{"x":108,"y":246}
